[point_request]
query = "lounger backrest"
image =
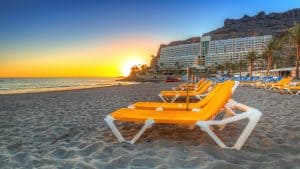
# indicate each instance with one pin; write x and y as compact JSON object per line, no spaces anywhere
{"x":218,"y":101}
{"x":201,"y":81}
{"x":207,"y":98}
{"x":201,"y":85}
{"x":282,"y":81}
{"x":205,"y":86}
{"x":288,"y":80}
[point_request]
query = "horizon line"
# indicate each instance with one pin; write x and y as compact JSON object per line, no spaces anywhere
{"x":7,"y":77}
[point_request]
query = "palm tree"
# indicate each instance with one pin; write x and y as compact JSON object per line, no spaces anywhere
{"x":251,"y":57}
{"x":220,"y":68}
{"x":230,"y":67}
{"x":177,"y":67}
{"x":241,"y":64}
{"x":234,"y":67}
{"x":161,"y":65}
{"x":227,"y":67}
{"x":294,"y":34}
{"x":273,"y":45}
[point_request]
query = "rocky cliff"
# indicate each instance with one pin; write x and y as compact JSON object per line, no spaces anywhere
{"x":260,"y":24}
{"x":182,"y":42}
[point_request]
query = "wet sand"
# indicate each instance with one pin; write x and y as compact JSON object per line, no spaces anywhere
{"x":66,"y":129}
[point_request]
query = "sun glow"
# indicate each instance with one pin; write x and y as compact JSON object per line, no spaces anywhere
{"x":126,"y":67}
{"x":111,"y":58}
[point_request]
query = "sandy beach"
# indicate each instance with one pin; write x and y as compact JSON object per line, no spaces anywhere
{"x":66,"y":129}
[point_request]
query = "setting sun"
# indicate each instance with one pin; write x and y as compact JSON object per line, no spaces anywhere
{"x":126,"y":67}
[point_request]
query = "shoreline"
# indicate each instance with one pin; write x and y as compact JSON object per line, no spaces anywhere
{"x":61,"y":89}
{"x":136,"y":79}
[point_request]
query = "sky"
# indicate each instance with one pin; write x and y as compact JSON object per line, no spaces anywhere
{"x":94,"y":38}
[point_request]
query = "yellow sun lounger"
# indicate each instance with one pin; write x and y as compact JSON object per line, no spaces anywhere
{"x":282,"y":82}
{"x":171,"y":96}
{"x":280,"y":86}
{"x":182,"y":106}
{"x":184,"y":86}
{"x":270,"y":84}
{"x":191,"y":87}
{"x":202,"y":118}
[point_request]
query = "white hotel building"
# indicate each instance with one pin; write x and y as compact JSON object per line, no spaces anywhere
{"x":233,"y":50}
{"x":184,"y":55}
{"x":212,"y":51}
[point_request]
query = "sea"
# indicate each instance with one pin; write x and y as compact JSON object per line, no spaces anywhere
{"x":33,"y":85}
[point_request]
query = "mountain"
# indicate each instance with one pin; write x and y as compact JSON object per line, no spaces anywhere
{"x":182,"y":42}
{"x":260,"y":24}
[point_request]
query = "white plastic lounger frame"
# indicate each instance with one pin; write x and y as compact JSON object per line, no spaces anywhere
{"x":252,"y":114}
{"x":287,"y":90}
{"x":110,"y":122}
{"x":272,"y":88}
{"x":166,"y":99}
{"x":266,"y":86}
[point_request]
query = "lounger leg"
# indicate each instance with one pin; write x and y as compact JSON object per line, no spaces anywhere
{"x":175,"y":98}
{"x":253,"y":119}
{"x":162,"y":98}
{"x":148,"y":124}
{"x":252,"y":114}
{"x":205,"y":127}
{"x":265,"y":86}
{"x":289,"y":91}
{"x":110,"y":122}
{"x":272,"y":88}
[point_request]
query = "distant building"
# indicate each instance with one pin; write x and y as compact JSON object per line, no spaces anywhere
{"x":233,"y":50}
{"x":209,"y":52}
{"x":182,"y":55}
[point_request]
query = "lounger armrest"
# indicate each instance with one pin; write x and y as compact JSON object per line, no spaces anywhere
{"x":159,"y":108}
{"x":196,"y":109}
{"x":131,"y":106}
{"x":236,"y":85}
{"x":201,"y":96}
{"x":249,"y":114}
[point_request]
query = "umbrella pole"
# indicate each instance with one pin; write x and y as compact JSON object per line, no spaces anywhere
{"x":187,"y":90}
